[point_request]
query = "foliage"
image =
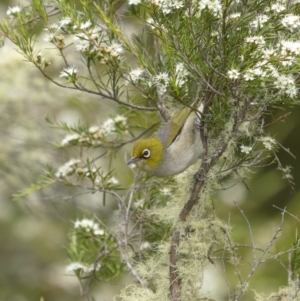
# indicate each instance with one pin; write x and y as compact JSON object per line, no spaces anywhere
{"x":238,"y":58}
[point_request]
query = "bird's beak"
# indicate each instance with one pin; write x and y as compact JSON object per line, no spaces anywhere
{"x":133,"y":160}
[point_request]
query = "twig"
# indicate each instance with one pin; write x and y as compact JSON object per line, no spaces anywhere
{"x":174,"y":277}
{"x":284,"y":211}
{"x":250,"y":229}
{"x":277,"y":119}
{"x":199,"y":182}
{"x":260,"y":259}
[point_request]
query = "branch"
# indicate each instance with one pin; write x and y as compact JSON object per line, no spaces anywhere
{"x":199,"y":182}
{"x":174,"y":277}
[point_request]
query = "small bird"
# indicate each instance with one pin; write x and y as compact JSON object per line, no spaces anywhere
{"x":175,"y":147}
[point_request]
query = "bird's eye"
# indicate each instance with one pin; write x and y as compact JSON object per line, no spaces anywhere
{"x":146,"y":153}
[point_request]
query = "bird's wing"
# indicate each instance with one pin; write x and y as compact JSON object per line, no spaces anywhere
{"x":175,"y":125}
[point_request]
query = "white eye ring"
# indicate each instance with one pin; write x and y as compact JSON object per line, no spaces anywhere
{"x":146,"y":153}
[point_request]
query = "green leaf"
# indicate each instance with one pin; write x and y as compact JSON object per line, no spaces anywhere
{"x":42,"y":182}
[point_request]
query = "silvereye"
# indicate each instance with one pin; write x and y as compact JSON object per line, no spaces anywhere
{"x":175,"y":147}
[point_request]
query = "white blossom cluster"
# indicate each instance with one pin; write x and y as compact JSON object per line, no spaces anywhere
{"x":291,"y":22}
{"x":88,"y":38}
{"x":167,"y":6}
{"x":268,"y":142}
{"x":96,"y":133}
{"x":110,"y":181}
{"x":285,"y":53}
{"x":162,"y":80}
{"x":109,"y":126}
{"x":181,"y":74}
{"x":69,"y":73}
{"x":67,"y":169}
{"x":91,"y":45}
{"x":233,"y":74}
{"x":259,"y":21}
{"x":214,"y":6}
{"x":135,"y":74}
{"x":13,"y":11}
{"x":245,"y":149}
{"x":278,"y":7}
{"x":88,"y":226}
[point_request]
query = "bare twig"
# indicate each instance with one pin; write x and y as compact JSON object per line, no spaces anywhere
{"x":278,"y":119}
{"x":174,"y":276}
{"x":250,"y":230}
{"x":260,"y":260}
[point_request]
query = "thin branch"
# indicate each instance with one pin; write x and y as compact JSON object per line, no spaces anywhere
{"x":260,"y":260}
{"x":250,"y":229}
{"x":278,"y":119}
{"x":173,"y":271}
{"x":200,"y":177}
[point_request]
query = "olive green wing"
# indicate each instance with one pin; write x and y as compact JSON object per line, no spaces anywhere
{"x":175,"y":125}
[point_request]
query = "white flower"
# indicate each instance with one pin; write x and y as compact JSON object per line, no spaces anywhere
{"x":13,"y":10}
{"x":161,"y":78}
{"x":277,"y":7}
{"x":53,"y":27}
{"x":134,"y":2}
{"x":268,"y":52}
{"x":113,"y":181}
{"x":161,"y":81}
{"x":233,"y":74}
{"x":94,"y":129}
{"x":86,"y":25}
{"x":109,"y":126}
{"x":145,"y":245}
{"x":135,"y":74}
{"x":181,"y":74}
{"x":115,"y":49}
{"x":69,"y":138}
{"x":291,"y":22}
{"x":168,"y":5}
{"x":82,"y":42}
{"x":248,"y":75}
{"x":288,"y":61}
{"x":286,"y":83}
{"x":88,"y":226}
{"x":139,"y":203}
{"x":258,"y":40}
{"x":121,"y":119}
{"x":291,"y":91}
{"x":165,"y":191}
{"x":67,"y":169}
{"x":259,"y":21}
{"x":268,"y":142}
{"x":234,"y":16}
{"x":290,"y":47}
{"x":68,"y":73}
{"x":65,"y":21}
{"x":246,"y":149}
{"x":213,"y":5}
{"x":151,"y":23}
{"x":177,"y":4}
{"x":49,"y":37}
{"x":256,"y":71}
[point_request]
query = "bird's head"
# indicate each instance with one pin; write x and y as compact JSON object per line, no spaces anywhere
{"x":147,"y":154}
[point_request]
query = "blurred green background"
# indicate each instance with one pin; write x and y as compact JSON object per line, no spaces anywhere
{"x":33,"y":231}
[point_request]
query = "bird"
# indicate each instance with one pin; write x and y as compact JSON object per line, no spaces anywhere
{"x":175,"y":147}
